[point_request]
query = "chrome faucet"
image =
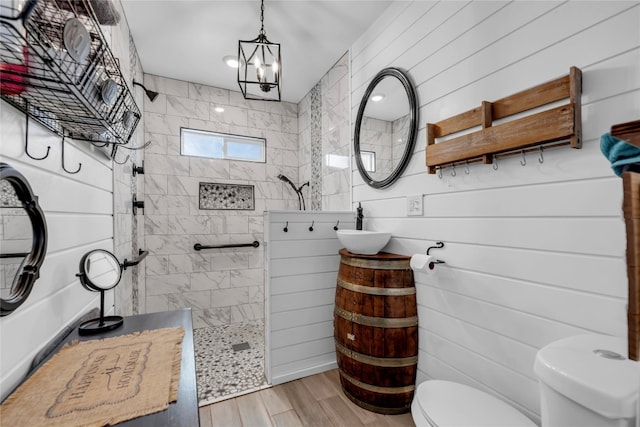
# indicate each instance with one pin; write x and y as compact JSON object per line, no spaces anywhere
{"x":359,"y":217}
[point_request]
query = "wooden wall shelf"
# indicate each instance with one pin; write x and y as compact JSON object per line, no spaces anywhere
{"x":629,"y":132}
{"x":521,"y":125}
{"x":631,"y":209}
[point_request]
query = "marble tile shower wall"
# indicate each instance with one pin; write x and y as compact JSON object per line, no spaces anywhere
{"x":336,"y":137}
{"x":325,"y":140}
{"x":222,"y":286}
{"x":126,"y":236}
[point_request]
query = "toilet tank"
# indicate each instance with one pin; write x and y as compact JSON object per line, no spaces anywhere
{"x":586,"y":380}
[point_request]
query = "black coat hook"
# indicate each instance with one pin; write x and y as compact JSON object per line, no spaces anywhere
{"x":286,"y":227}
{"x":311,"y":228}
{"x":26,"y":140}
{"x":63,"y":167}
{"x":335,"y":227}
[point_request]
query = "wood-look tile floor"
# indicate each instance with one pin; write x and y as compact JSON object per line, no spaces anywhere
{"x":312,"y":401}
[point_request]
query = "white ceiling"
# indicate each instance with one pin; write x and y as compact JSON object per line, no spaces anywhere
{"x":187,"y":39}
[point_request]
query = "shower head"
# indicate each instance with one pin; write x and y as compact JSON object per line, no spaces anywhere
{"x":287,"y":180}
{"x":150,"y":94}
{"x":297,"y":190}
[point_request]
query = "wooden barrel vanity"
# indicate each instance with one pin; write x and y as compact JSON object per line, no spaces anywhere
{"x":376,"y":331}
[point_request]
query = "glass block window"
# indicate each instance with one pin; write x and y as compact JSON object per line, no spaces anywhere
{"x":216,"y":145}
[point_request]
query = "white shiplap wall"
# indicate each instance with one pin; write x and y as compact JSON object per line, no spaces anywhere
{"x":79,"y":214}
{"x":82,"y":214}
{"x":534,"y":253}
{"x":301,"y":268}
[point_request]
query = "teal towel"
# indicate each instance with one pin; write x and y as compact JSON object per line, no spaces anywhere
{"x":618,"y":152}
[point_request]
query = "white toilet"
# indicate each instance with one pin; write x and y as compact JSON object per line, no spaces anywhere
{"x":582,"y":383}
{"x":439,"y":403}
{"x":587,"y":380}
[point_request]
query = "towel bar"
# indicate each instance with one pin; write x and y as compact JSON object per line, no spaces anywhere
{"x":255,"y":244}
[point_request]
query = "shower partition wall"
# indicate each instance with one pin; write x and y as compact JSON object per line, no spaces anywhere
{"x":301,"y":267}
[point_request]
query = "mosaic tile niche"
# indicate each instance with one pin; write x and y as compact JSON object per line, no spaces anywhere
{"x":226,"y":196}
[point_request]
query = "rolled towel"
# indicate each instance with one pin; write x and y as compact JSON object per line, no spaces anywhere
{"x":621,"y":154}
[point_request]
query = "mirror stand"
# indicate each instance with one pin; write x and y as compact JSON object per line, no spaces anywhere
{"x":101,"y":324}
{"x":100,"y":271}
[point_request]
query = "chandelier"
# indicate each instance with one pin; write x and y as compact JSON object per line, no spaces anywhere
{"x":259,"y":66}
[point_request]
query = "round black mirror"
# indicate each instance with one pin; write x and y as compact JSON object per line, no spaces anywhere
{"x":23,"y":239}
{"x":386,"y":127}
{"x":99,"y":272}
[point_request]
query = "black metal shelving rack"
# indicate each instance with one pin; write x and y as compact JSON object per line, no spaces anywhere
{"x":40,"y":77}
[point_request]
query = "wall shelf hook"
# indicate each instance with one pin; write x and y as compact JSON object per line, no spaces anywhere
{"x":114,"y":158}
{"x":311,"y":228}
{"x":335,"y":227}
{"x":145,"y":145}
{"x":541,"y":158}
{"x":286,"y":227}
{"x":26,"y":141}
{"x":523,"y":162}
{"x":63,"y":166}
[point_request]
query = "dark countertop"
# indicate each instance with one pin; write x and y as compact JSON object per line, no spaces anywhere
{"x":183,"y":412}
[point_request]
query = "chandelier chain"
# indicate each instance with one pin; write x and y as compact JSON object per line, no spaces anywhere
{"x":262,"y":17}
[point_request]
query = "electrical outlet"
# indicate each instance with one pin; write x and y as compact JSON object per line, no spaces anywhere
{"x":414,"y":205}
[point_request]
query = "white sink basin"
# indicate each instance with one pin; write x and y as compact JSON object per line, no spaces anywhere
{"x":363,"y":242}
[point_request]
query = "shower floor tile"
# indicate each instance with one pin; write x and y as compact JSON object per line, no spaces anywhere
{"x":222,"y":372}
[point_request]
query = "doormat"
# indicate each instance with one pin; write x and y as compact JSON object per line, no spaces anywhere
{"x":100,"y":382}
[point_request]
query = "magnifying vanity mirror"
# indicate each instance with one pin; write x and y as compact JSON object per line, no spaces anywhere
{"x":386,"y":127}
{"x":23,"y":239}
{"x":99,"y":272}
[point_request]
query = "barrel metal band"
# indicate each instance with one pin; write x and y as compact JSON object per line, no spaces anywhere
{"x":380,"y":322}
{"x":386,"y":362}
{"x":376,"y":408}
{"x":370,"y":290}
{"x":386,"y":264}
{"x":378,"y":389}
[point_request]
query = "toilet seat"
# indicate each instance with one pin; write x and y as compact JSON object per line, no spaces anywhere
{"x":440,"y":403}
